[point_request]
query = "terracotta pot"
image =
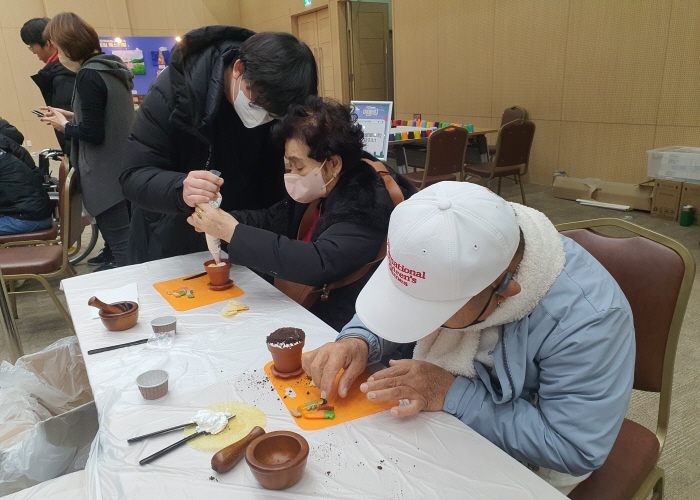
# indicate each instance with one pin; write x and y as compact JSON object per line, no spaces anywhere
{"x":277,"y":459}
{"x":219,"y":275}
{"x":122,"y":321}
{"x":286,"y":359}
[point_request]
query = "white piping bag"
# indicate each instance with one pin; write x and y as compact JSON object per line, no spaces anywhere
{"x":214,"y":244}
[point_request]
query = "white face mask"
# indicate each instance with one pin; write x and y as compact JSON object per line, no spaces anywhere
{"x":73,"y":66}
{"x":250,"y":114}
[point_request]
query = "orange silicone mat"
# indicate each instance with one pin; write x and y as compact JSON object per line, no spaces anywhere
{"x":203,"y":296}
{"x":354,"y":405}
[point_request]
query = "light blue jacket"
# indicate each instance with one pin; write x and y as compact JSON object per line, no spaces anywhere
{"x":562,"y":376}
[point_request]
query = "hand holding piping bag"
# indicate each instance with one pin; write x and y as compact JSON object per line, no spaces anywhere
{"x":214,"y":244}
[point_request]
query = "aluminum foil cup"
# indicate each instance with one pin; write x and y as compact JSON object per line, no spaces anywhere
{"x":153,"y":384}
{"x":164,"y":324}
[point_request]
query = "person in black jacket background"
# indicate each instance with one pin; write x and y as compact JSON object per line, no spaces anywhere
{"x":11,"y":141}
{"x":55,"y":81}
{"x":211,"y":109}
{"x":334,"y":219}
{"x":24,"y":203}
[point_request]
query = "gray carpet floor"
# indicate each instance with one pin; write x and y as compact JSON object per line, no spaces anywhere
{"x":40,"y":325}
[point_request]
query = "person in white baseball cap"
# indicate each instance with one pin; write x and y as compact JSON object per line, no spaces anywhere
{"x":454,"y":243}
{"x":519,"y":332}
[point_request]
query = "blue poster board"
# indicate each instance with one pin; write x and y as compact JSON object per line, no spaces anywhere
{"x":375,"y":118}
{"x":145,"y":56}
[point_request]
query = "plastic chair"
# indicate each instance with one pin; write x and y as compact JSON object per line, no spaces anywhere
{"x":509,"y":115}
{"x":512,"y":155}
{"x":447,"y":148}
{"x":47,"y":261}
{"x":656,"y":275}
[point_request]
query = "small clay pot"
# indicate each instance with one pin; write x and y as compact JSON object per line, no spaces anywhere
{"x":277,"y":459}
{"x":122,"y":321}
{"x":287,"y":360}
{"x":218,"y":275}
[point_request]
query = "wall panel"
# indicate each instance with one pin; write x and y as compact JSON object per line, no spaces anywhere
{"x":677,"y":136}
{"x":545,"y":150}
{"x":222,"y":12}
{"x":529,"y":52}
{"x":614,"y":152}
{"x":614,"y":61}
{"x":465,"y":57}
{"x":416,"y":66}
{"x":9,"y":107}
{"x":603,"y":81}
{"x":150,"y":15}
{"x":680,"y":94}
{"x":94,"y":12}
{"x":16,"y":12}
{"x":257,"y":13}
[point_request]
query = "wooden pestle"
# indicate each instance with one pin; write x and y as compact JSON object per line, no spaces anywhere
{"x":225,"y":459}
{"x":105,"y":308}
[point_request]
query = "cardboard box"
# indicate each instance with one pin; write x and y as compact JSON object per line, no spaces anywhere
{"x":690,"y":195}
{"x":636,"y":196}
{"x":667,"y":199}
{"x":674,"y":162}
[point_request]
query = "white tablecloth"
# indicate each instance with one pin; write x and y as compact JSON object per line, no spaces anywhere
{"x":213,"y":359}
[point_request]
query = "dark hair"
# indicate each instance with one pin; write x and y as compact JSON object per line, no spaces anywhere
{"x":281,"y":70}
{"x":327,"y":127}
{"x":76,"y":38}
{"x":32,"y":32}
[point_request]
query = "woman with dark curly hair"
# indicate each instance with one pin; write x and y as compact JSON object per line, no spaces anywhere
{"x":331,"y":227}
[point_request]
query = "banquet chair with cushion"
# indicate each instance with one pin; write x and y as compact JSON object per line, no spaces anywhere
{"x":47,"y":261}
{"x":512,"y":155}
{"x":447,"y":148}
{"x":509,"y":115}
{"x":656,"y":275}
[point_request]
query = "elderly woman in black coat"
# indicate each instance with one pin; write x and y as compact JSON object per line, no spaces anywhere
{"x":333,"y":221}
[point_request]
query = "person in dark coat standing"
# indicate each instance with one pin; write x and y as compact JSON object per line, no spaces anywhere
{"x":334,"y":219}
{"x":99,"y":126}
{"x":11,"y":141}
{"x":212,"y":108}
{"x":54,"y":80}
{"x":24,"y":203}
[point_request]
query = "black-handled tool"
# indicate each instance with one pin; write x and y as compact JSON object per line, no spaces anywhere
{"x":118,"y":346}
{"x":162,"y":452}
{"x":195,"y":276}
{"x":158,"y":433}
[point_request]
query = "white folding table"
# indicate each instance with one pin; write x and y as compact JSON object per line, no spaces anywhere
{"x":215,"y":359}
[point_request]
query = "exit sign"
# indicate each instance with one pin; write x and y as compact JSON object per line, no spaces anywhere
{"x":307,"y":3}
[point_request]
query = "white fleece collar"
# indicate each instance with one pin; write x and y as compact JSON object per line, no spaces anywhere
{"x":543,"y":261}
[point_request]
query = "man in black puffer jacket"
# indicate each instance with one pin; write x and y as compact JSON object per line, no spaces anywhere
{"x":211,"y":109}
